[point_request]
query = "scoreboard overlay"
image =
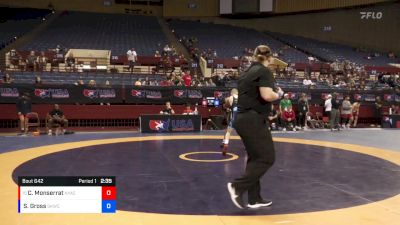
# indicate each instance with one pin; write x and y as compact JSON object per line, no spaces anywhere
{"x":66,"y":194}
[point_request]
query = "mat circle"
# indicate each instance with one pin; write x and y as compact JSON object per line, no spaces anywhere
{"x":186,"y":157}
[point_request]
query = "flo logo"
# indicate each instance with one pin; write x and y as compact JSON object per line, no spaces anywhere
{"x":371,"y":15}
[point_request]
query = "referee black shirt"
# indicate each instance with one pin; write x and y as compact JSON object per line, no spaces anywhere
{"x":249,"y":83}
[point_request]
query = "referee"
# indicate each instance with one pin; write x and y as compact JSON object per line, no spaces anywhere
{"x":256,"y":93}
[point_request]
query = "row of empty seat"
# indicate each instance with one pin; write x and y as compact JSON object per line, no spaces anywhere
{"x":332,"y":52}
{"x":116,"y":32}
{"x":230,"y":41}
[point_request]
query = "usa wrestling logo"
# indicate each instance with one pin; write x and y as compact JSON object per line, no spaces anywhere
{"x":42,"y":93}
{"x":159,"y":125}
{"x":138,"y":93}
{"x":388,"y":98}
{"x":9,"y":92}
{"x":51,"y":93}
{"x":358,"y":97}
{"x":221,"y":94}
{"x":90,"y":93}
{"x":180,"y":93}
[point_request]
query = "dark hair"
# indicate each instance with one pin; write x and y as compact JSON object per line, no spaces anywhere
{"x":262,"y":53}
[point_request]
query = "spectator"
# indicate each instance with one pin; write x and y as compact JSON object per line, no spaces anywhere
{"x":132,"y":58}
{"x":168,"y":109}
{"x":196,"y":81}
{"x":138,"y":82}
{"x":92,"y":83}
{"x":31,"y":62}
{"x":154,"y":82}
{"x":273,"y":118}
{"x":289,"y":119}
{"x":157,"y":54}
{"x":307,"y":82}
{"x":378,"y":110}
{"x":328,"y":105}
{"x":79,"y":82}
{"x":70,"y":61}
{"x":38,"y":80}
{"x":346,"y":112}
{"x":166,"y":50}
{"x":394,"y":110}
{"x":107,"y":83}
{"x":41,"y":61}
{"x":187,"y":110}
{"x":56,"y":117}
{"x":303,"y":109}
{"x":209,"y":83}
{"x":14,"y":57}
{"x":59,"y":49}
{"x":7,"y":79}
{"x":285,"y":103}
{"x":355,"y":110}
{"x":335,"y":113}
{"x":146,"y":82}
{"x":187,"y":79}
{"x":24,"y":106}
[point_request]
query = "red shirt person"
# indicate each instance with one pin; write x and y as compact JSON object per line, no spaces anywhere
{"x":289,"y":119}
{"x":187,"y":79}
{"x":289,"y":115}
{"x":187,"y":110}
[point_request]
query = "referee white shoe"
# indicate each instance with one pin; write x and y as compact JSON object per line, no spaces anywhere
{"x":235,"y":197}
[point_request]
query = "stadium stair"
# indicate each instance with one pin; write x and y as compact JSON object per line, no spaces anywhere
{"x":25,"y":39}
{"x":172,"y":38}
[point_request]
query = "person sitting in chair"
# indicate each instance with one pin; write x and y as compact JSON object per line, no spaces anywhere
{"x":187,"y":110}
{"x":273,"y":118}
{"x":56,"y":117}
{"x":168,"y":109}
{"x":289,"y":119}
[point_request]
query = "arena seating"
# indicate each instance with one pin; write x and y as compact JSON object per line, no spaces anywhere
{"x":230,"y":41}
{"x":331,"y":52}
{"x":101,"y":31}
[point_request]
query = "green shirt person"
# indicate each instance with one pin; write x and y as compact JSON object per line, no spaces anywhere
{"x":285,"y":103}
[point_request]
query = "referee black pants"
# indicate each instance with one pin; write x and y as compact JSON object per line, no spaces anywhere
{"x":253,"y":130}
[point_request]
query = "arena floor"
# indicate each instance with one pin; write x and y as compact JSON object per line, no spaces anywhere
{"x":320,"y":177}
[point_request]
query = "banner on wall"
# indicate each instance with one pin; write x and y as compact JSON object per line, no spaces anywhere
{"x":63,"y":94}
{"x":71,"y":94}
